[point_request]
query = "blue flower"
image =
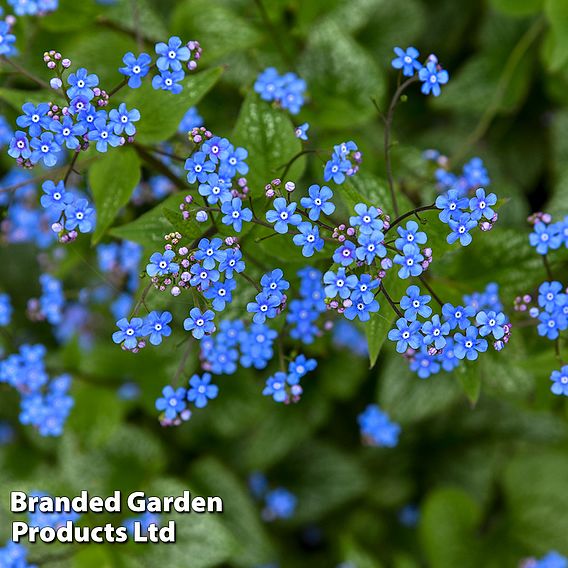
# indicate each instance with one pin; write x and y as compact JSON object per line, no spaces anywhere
{"x":409,"y":261}
{"x":376,"y":427}
{"x":414,"y":304}
{"x":406,"y":334}
{"x":308,"y":239}
{"x":235,"y":214}
{"x":560,"y":381}
{"x":201,"y":390}
{"x":432,"y":78}
{"x":216,"y":147}
{"x":273,"y":282}
{"x":232,"y":263}
{"x":318,"y":201}
{"x":19,"y":146}
{"x":35,"y":118}
{"x":81,"y":84}
{"x":424,"y":365}
{"x":199,"y":323}
{"x":336,"y":168}
{"x":276,"y":387}
{"x":551,"y":296}
{"x":301,"y":131}
{"x":55,"y":196}
{"x":171,"y":54}
{"x":5,"y":310}
{"x":267,"y":84}
{"x":299,"y":367}
{"x":161,"y":264}
{"x":551,"y":325}
{"x":172,"y":402}
{"x":339,"y":283}
{"x":203,"y":277}
{"x":168,"y":81}
{"x":135,"y":68}
{"x":406,"y":60}
{"x":361,"y":309}
{"x":80,"y":214}
{"x":280,"y":504}
{"x":410,"y":235}
{"x":198,"y":167}
{"x":282,"y":215}
{"x":458,"y":316}
{"x":366,"y":219}
{"x":123,"y":119}
{"x":481,"y":204}
{"x":215,"y":189}
{"x":545,"y":237}
{"x":265,"y":306}
{"x":451,"y":205}
{"x":191,"y":119}
{"x":209,"y":252}
{"x":103,"y":134}
{"x":129,"y":332}
{"x":364,"y":288}
{"x":460,"y":229}
{"x":371,"y":246}
{"x":66,"y":132}
{"x":233,"y":160}
{"x":475,"y":173}
{"x":45,"y":148}
{"x":156,"y":326}
{"x":491,"y":322}
{"x":345,"y":253}
{"x":469,"y":345}
{"x":435,"y":331}
{"x":220,"y":293}
{"x":7,"y":40}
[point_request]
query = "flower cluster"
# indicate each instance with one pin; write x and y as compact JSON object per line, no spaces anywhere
{"x":474,"y":174}
{"x":285,"y":90}
{"x":132,"y":334}
{"x":552,"y":559}
{"x":173,"y":405}
{"x":285,"y":387}
{"x":430,"y":74}
{"x":340,"y":166}
{"x":279,"y":503}
{"x":7,"y":38}
{"x":548,"y":236}
{"x":441,"y":342}
{"x":45,"y":403}
{"x":14,"y":556}
{"x":377,"y":429}
{"x":33,"y":7}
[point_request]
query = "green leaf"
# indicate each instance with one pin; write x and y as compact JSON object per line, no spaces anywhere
{"x":448,"y":521}
{"x":341,"y":93}
{"x":69,"y":16}
{"x":188,"y":228}
{"x":17,"y":97}
{"x":470,"y":379}
{"x":269,"y":137}
{"x":149,"y":229}
{"x":518,"y":8}
{"x":113,"y":178}
{"x":557,"y":15}
{"x":162,"y":111}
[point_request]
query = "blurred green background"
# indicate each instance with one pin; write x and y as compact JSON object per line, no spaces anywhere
{"x":489,"y":479}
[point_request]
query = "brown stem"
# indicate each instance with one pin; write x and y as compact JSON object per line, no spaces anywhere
{"x":429,"y":288}
{"x":409,"y":214}
{"x":26,"y":73}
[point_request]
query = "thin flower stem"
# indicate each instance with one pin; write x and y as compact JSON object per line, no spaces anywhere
{"x":26,"y":73}
{"x":160,"y":166}
{"x":250,"y":281}
{"x":167,"y":154}
{"x":390,"y":301}
{"x":387,"y":139}
{"x":409,"y":214}
{"x":429,"y":288}
{"x":547,"y":267}
{"x":141,"y":300}
{"x":182,"y":363}
{"x":293,"y":159}
{"x":122,"y":84}
{"x":70,"y":168}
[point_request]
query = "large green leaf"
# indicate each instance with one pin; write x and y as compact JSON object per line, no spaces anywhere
{"x":557,"y":15}
{"x":518,"y":8}
{"x":162,"y":111}
{"x":113,"y":178}
{"x":269,"y":137}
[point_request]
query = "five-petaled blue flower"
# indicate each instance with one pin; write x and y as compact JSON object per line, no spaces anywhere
{"x":406,"y":334}
{"x":122,"y":119}
{"x":282,"y":215}
{"x":414,"y":304}
{"x":55,"y":196}
{"x":469,"y":345}
{"x":135,"y":68}
{"x":81,"y":84}
{"x":410,"y":261}
{"x":560,"y":381}
{"x":171,"y":54}
{"x":460,"y":229}
{"x":201,"y":390}
{"x":308,"y":238}
{"x":318,"y":201}
{"x":406,"y":60}
{"x":235,"y":214}
{"x":481,"y":205}
{"x":172,"y":402}
{"x":156,"y":326}
{"x":129,"y":332}
{"x":199,"y":323}
{"x":432,"y":78}
{"x":161,"y":264}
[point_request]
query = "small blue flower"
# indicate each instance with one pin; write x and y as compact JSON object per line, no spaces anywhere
{"x":376,"y":427}
{"x":301,"y":131}
{"x":265,"y":306}
{"x":336,"y":168}
{"x":361,"y":309}
{"x":460,"y":229}
{"x":209,"y":252}
{"x":161,"y":264}
{"x":481,"y":204}
{"x":339,"y":283}
{"x":551,"y":296}
{"x":414,"y":304}
{"x":220,"y":293}
{"x":273,"y":282}
{"x":232,"y":263}
{"x":469,"y":345}
{"x":308,"y":239}
{"x":475,"y":173}
{"x":233,"y":160}
{"x":129,"y":332}
{"x":191,"y":119}
{"x":199,"y":323}
{"x":345,"y":253}
{"x":55,"y":196}
{"x":7,"y":40}
{"x":168,"y":81}
{"x":198,"y":167}
{"x":491,"y":323}
{"x":410,"y":261}
{"x":215,"y":189}
{"x":551,"y":325}
{"x":280,"y":504}
{"x":300,"y":367}
{"x":560,"y":381}
{"x":364,"y":288}
{"x":35,"y":118}
{"x":135,"y":68}
{"x":103,"y":134}
{"x":318,"y":201}
{"x":45,"y":148}
{"x":19,"y":146}
{"x":156,"y":326}
{"x":282,"y":215}
{"x":410,"y":235}
{"x":66,"y":132}
{"x":216,"y":147}
{"x":201,"y":390}
{"x":80,"y":214}
{"x":122,"y":120}
{"x":172,"y":402}
{"x":545,"y":237}
{"x":452,"y":205}
{"x":203,"y":277}
{"x":406,"y":60}
{"x":366,"y":219}
{"x":371,"y":246}
{"x":171,"y":54}
{"x":432,"y":78}
{"x":81,"y":84}
{"x":276,"y":387}
{"x":406,"y":334}
{"x":435,"y":332}
{"x":235,"y":214}
{"x":458,"y":316}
